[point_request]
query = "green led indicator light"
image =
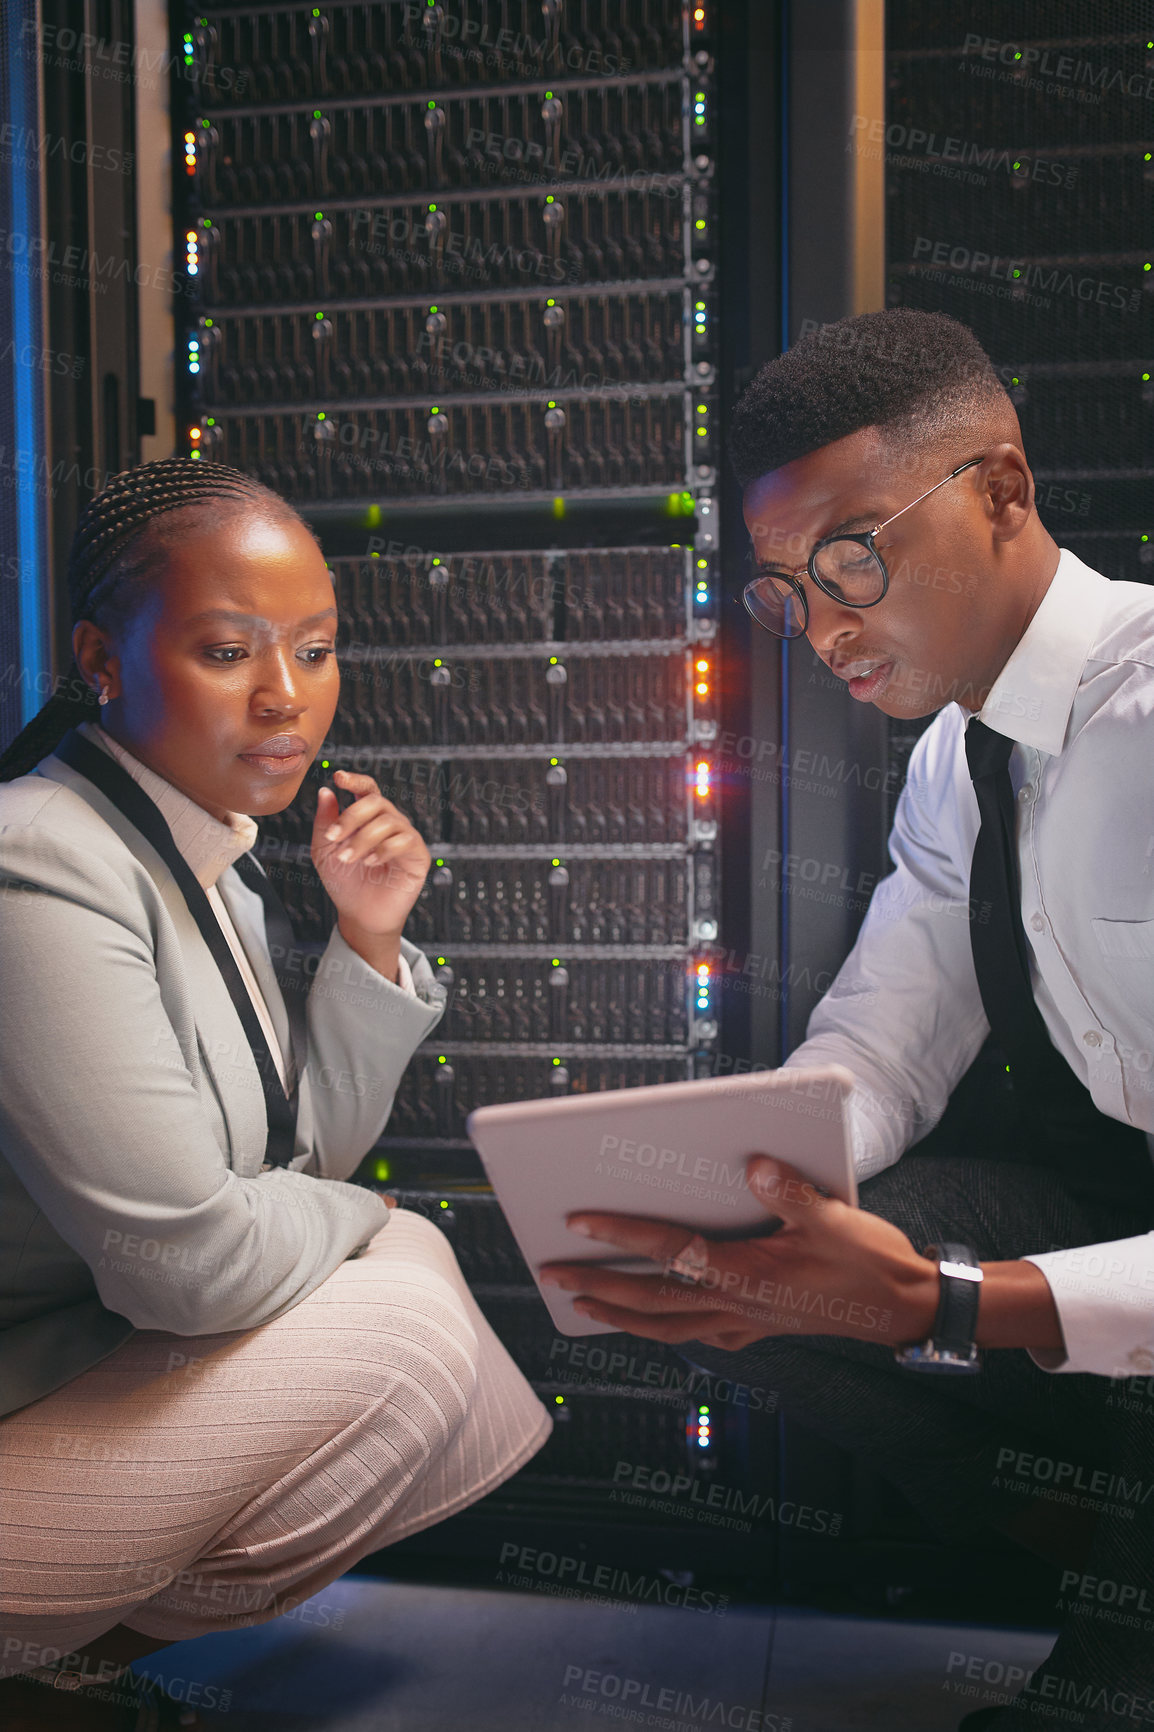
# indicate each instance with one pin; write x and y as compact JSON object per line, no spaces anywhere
{"x":441,"y":1059}
{"x":436,"y":562}
{"x":382,"y":1170}
{"x":549,"y":198}
{"x":550,"y":303}
{"x":432,"y":207}
{"x":432,"y":309}
{"x":444,"y":1204}
{"x":320,"y":414}
{"x":324,"y":763}
{"x":438,"y":663}
{"x":552,"y":661}
{"x":440,"y":959}
{"x":1145,"y":376}
{"x":554,"y":760}
{"x":556,"y":862}
{"x":432,"y":103}
{"x":316,"y":113}
{"x":558,"y":1400}
{"x":548,"y":96}
{"x":556,"y":962}
{"x":700,"y":223}
{"x":211,"y":422}
{"x":551,"y":404}
{"x":319,"y":215}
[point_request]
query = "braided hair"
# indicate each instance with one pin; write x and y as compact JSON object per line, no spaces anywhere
{"x":118,"y":553}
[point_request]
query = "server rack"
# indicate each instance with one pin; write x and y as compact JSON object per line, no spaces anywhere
{"x":454,"y":292}
{"x":1023,"y":144}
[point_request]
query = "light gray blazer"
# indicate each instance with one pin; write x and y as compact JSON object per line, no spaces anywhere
{"x":132,"y":1119}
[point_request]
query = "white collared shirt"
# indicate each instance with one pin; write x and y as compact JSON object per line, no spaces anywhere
{"x":210,"y":847}
{"x":904,"y":1013}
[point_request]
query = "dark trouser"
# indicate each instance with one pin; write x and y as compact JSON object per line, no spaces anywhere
{"x":983,"y":1451}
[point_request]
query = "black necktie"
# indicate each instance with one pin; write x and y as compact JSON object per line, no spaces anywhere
{"x":144,"y":814}
{"x":1099,"y":1157}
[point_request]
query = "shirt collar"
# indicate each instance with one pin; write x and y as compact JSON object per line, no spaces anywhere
{"x":1031,"y":699}
{"x":208,"y":845}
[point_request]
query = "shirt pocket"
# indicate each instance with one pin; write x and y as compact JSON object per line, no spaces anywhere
{"x":1126,"y":942}
{"x":1127,"y":951}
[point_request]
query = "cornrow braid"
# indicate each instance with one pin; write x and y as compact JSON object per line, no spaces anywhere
{"x":118,"y":549}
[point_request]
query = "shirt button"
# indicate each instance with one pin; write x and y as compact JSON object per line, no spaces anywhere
{"x":1143,"y":1359}
{"x":1037,"y":922}
{"x":1025,"y":793}
{"x":1092,"y":1037}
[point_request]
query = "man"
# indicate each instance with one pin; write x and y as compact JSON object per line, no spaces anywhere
{"x":1022,"y":901}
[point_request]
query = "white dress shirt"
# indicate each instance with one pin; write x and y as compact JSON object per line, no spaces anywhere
{"x":904,"y":1013}
{"x":210,"y":847}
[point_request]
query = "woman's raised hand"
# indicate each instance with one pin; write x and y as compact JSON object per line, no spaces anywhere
{"x":371,"y":861}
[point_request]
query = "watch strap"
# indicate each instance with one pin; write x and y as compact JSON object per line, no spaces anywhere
{"x":956,"y":1322}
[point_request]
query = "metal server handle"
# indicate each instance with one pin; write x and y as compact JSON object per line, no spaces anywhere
{"x":558,"y":1003}
{"x":551,"y":13}
{"x":554,"y":322}
{"x":322,"y":236}
{"x":555,"y":446}
{"x":443,"y":899}
{"x":557,"y":782}
{"x":553,"y":216}
{"x":433,"y":22}
{"x":439,"y":682}
{"x":445,"y":1108}
{"x":318,"y":42}
{"x":559,"y":905}
{"x":552,"y":111}
{"x":435,"y":225}
{"x":557,"y":680}
{"x":322,"y":334}
{"x":435,"y":139}
{"x":321,"y":132}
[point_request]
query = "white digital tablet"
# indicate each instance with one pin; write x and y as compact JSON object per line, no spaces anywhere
{"x":669,"y":1152}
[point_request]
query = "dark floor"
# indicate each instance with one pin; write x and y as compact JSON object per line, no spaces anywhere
{"x":370,"y":1655}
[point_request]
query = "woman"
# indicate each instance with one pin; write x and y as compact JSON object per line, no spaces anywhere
{"x":226,"y":1375}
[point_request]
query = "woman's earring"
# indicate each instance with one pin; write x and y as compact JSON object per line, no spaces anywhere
{"x":103,"y":695}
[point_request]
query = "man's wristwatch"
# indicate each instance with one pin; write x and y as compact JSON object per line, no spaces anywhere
{"x":951,"y":1345}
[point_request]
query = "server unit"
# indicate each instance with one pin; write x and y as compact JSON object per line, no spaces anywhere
{"x":1020,"y":200}
{"x":453,"y":276}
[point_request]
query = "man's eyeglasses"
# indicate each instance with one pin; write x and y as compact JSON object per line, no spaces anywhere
{"x":846,"y":567}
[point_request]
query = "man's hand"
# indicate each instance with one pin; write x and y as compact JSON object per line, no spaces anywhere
{"x":827,"y":1270}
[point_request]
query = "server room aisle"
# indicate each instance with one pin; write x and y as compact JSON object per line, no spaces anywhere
{"x":369,"y":1655}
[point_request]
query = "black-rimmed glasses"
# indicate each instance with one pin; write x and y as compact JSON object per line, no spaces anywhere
{"x":847,"y":568}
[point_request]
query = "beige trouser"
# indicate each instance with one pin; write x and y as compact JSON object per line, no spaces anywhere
{"x":189,"y":1484}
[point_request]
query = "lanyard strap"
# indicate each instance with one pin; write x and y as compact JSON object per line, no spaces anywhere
{"x":143,"y":814}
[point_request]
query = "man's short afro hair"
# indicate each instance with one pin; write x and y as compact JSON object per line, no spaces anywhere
{"x":918,"y":375}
